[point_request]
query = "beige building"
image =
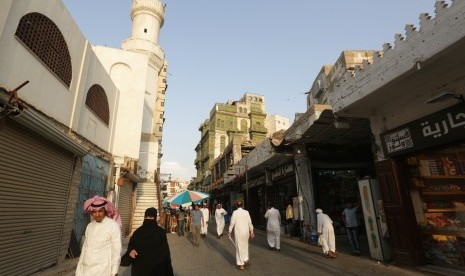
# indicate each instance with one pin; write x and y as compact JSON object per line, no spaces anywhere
{"x":275,"y":123}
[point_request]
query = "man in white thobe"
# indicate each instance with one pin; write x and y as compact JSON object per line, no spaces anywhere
{"x":326,"y":232}
{"x":206,"y":217}
{"x":241,"y":223}
{"x":101,"y":252}
{"x":219,"y":218}
{"x":273,"y":228}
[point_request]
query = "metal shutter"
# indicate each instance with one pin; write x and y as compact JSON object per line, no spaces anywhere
{"x":125,"y":205}
{"x":34,"y":185}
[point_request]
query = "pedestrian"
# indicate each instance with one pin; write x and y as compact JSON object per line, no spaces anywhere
{"x":181,"y":219}
{"x":349,"y":216}
{"x":149,"y":249}
{"x":219,"y":218}
{"x":273,"y":227}
{"x":196,"y":223}
{"x":326,"y":234}
{"x":206,"y":218}
{"x":241,"y":223}
{"x":101,"y":252}
{"x":289,"y":218}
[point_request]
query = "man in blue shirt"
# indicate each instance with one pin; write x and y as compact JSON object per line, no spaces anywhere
{"x":197,"y":222}
{"x":350,"y":218}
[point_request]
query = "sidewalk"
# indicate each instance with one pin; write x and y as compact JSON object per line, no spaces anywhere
{"x":217,"y":257}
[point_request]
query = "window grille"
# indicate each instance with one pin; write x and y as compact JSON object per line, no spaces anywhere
{"x":97,"y":101}
{"x":43,"y":38}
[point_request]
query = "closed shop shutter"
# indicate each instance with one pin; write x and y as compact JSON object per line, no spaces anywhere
{"x":34,"y":186}
{"x":125,"y":205}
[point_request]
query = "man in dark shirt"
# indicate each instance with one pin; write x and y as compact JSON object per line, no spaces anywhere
{"x":149,"y":248}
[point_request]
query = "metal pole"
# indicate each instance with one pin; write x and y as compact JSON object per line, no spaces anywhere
{"x":246,"y":185}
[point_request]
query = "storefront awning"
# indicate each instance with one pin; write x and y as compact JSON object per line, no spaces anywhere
{"x":323,"y":128}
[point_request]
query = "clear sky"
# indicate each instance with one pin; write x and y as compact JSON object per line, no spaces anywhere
{"x":218,"y":50}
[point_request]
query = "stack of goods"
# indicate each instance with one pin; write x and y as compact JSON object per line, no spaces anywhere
{"x":424,"y":168}
{"x":459,"y":206}
{"x":439,"y":204}
{"x":443,"y":249}
{"x":436,"y":167}
{"x":445,"y":188}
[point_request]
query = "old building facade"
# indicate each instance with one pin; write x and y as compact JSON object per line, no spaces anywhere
{"x":412,"y":94}
{"x":243,"y":119}
{"x":76,"y":121}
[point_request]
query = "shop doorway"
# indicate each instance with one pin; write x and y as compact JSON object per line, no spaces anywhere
{"x":332,"y":190}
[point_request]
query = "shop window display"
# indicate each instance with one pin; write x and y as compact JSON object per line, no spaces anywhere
{"x":437,"y":188}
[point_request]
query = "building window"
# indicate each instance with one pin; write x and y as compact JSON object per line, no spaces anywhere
{"x":160,"y":129}
{"x":244,"y":126}
{"x":162,"y":103}
{"x":245,"y":110}
{"x":218,"y":123}
{"x":97,"y":101}
{"x":222,"y":143}
{"x":161,"y":116}
{"x":230,"y":124}
{"x":43,"y":38}
{"x":240,"y":109}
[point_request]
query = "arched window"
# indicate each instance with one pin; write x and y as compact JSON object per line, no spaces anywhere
{"x":240,"y":109}
{"x":43,"y":38}
{"x":97,"y":101}
{"x":244,"y":126}
{"x":245,"y":110}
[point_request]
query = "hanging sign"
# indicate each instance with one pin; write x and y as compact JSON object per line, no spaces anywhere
{"x":442,"y":127}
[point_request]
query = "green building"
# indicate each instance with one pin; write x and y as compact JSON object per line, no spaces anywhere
{"x":243,"y":119}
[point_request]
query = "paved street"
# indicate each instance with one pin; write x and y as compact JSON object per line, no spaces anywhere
{"x":216,"y":257}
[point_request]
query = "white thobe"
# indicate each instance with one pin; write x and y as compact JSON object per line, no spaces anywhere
{"x":206,"y":217}
{"x":325,"y":227}
{"x":273,"y":227}
{"x":101,"y":252}
{"x":219,"y":218}
{"x":242,"y":225}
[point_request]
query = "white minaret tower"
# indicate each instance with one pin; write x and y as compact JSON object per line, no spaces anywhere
{"x":147,"y":19}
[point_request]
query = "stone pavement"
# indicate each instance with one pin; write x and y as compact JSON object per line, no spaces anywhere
{"x":217,"y":257}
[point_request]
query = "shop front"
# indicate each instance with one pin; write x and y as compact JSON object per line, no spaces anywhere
{"x":255,"y":200}
{"x":282,"y":192}
{"x":427,"y":160}
{"x":334,"y":187}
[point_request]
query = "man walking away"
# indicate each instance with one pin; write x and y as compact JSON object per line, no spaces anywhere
{"x":241,"y":223}
{"x":101,"y":251}
{"x":326,"y":232}
{"x":196,"y":223}
{"x":349,"y":216}
{"x":149,"y":248}
{"x":206,"y":218}
{"x":273,"y":227}
{"x":181,"y":219}
{"x":219,"y":217}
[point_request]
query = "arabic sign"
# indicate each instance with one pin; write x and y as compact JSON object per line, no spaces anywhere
{"x":439,"y":128}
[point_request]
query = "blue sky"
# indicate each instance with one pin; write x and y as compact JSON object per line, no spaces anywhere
{"x":218,"y":50}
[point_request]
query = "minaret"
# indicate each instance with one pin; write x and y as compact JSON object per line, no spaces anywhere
{"x":147,"y":19}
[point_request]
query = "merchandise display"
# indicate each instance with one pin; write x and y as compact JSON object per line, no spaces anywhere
{"x":437,"y":185}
